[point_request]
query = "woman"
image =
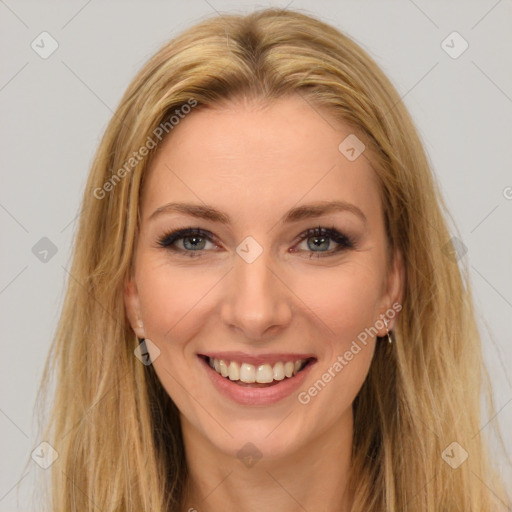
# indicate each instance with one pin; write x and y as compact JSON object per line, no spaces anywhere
{"x":206,"y":358}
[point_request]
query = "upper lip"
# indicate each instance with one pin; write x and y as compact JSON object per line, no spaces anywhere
{"x":258,"y":359}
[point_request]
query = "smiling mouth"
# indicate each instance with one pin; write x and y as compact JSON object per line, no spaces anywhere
{"x":257,"y":376}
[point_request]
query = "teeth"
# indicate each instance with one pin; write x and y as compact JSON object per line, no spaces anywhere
{"x":233,"y":371}
{"x":263,"y":374}
{"x":279,"y":371}
{"x":247,"y":373}
{"x":223,"y":368}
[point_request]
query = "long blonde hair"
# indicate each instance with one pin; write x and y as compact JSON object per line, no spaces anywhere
{"x":117,"y":431}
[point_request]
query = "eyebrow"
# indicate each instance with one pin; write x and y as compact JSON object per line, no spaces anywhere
{"x":308,"y":211}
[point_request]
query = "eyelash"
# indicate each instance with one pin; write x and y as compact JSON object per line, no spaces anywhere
{"x":346,"y":242}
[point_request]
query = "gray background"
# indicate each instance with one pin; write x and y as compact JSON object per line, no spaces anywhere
{"x":53,"y":112}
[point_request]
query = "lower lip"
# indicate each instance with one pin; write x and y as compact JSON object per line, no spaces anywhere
{"x":256,"y":396}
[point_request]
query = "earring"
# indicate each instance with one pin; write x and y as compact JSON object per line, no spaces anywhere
{"x":141,"y":325}
{"x":387,"y":332}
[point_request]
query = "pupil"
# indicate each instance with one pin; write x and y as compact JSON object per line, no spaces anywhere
{"x":194,"y":243}
{"x":319,"y":238}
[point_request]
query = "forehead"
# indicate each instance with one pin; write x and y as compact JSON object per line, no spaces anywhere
{"x":259,"y":160}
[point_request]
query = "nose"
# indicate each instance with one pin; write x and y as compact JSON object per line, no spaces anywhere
{"x":257,"y":302}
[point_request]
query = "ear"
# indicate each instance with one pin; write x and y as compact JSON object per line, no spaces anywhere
{"x":132,"y":306}
{"x":392,"y":299}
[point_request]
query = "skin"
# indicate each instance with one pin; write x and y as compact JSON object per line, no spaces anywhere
{"x":256,"y":162}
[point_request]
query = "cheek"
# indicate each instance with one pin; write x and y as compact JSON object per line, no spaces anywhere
{"x":172,"y":297}
{"x":344,"y":299}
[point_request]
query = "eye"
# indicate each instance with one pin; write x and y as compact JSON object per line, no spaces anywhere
{"x":321,"y":238}
{"x":193,"y":241}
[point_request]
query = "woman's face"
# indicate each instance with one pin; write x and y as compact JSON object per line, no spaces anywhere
{"x":251,"y":286}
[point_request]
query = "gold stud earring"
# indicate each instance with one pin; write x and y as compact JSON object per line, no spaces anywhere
{"x":387,"y":332}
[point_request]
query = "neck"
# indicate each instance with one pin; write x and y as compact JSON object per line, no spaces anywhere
{"x":313,"y":478}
